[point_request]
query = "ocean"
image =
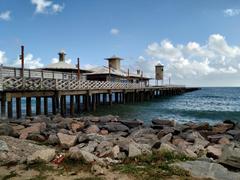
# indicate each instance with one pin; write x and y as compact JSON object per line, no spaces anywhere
{"x":206,"y":105}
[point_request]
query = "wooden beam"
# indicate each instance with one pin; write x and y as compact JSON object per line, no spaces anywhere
{"x":94,"y":102}
{"x":45,"y":105}
{"x":54,"y":105}
{"x":38,"y":105}
{"x":18,"y":108}
{"x":10,"y":114}
{"x":71,"y":105}
{"x":3,"y":105}
{"x":28,"y":106}
{"x":63,"y":105}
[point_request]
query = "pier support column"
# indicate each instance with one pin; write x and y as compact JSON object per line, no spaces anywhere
{"x":71,"y":105}
{"x":45,"y":105}
{"x":63,"y":105}
{"x":86,"y":99}
{"x":110,"y":98}
{"x":116,"y":97}
{"x":104,"y":98}
{"x":28,"y":106}
{"x":94,"y":102}
{"x":18,"y":108}
{"x":133,"y":97}
{"x":78,"y":104}
{"x":54,"y":100}
{"x":123,"y":97}
{"x":3,"y":105}
{"x":38,"y":105}
{"x":9,"y":103}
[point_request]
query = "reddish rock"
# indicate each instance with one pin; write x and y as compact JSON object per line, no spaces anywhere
{"x":66,"y":140}
{"x":215,"y":138}
{"x":222,"y":128}
{"x":92,"y":129}
{"x":104,"y":132}
{"x":34,"y":128}
{"x":77,"y":126}
{"x":164,"y":122}
{"x":223,"y":141}
{"x":214,"y":151}
{"x":201,"y":126}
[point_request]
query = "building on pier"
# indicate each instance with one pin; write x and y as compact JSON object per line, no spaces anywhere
{"x":113,"y":72}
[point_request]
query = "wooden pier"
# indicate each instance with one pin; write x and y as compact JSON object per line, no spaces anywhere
{"x":39,"y":91}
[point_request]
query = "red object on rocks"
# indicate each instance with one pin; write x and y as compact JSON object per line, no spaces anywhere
{"x":58,"y":159}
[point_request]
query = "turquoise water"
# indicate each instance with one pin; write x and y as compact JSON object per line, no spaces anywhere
{"x":207,"y":104}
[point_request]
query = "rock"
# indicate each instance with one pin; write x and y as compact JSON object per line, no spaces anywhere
{"x":104,"y":148}
{"x":91,"y":158}
{"x":91,"y":146}
{"x":34,"y":128}
{"x":203,"y":169}
{"x":66,"y":140}
{"x":188,"y":152}
{"x":237,"y":137}
{"x":36,"y":137}
{"x":82,"y":137}
{"x":132,"y":123}
{"x":3,"y":146}
{"x":200,"y":126}
{"x":45,"y":155}
{"x":161,"y":122}
{"x":233,"y":132}
{"x":227,"y":121}
{"x":142,"y":132}
{"x":215,"y":138}
{"x":16,"y":129}
{"x":74,"y":153}
{"x":222,"y":128}
{"x":53,"y":139}
{"x":167,"y":130}
{"x":92,"y":129}
{"x":116,"y":151}
{"x":135,"y":149}
{"x":230,"y":156}
{"x":77,"y":126}
{"x":114,"y":127}
{"x":223,"y":141}
{"x":97,"y":170}
{"x":95,"y":119}
{"x":6,"y":130}
{"x":108,"y":118}
{"x":166,"y":138}
{"x":149,"y":139}
{"x":167,"y":147}
{"x":214,"y":151}
{"x":19,"y":150}
{"x":104,"y":132}
{"x":96,"y":137}
{"x":190,"y":136}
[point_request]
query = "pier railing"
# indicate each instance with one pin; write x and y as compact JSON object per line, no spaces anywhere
{"x":18,"y":83}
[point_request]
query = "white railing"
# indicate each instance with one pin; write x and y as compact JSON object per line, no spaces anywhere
{"x":18,"y":83}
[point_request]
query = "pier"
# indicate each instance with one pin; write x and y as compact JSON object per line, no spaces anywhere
{"x":41,"y":86}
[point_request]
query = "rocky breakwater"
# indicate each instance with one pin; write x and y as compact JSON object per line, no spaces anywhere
{"x":108,"y":140}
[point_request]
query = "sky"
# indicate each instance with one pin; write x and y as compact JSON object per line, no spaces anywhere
{"x":198,"y":42}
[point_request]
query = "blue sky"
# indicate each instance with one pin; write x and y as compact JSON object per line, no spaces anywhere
{"x":197,"y":41}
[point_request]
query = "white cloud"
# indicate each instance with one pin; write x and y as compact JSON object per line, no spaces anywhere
{"x":114,"y":31}
{"x":30,"y":62}
{"x":47,"y":7}
{"x":194,"y":64}
{"x":3,"y":57}
{"x":57,"y":8}
{"x":5,"y":16}
{"x":88,"y":66}
{"x":55,"y":60}
{"x":231,"y":12}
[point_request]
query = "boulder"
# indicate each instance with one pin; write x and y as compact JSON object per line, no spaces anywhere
{"x":104,"y":149}
{"x":167,"y":130}
{"x":53,"y":139}
{"x":116,"y":152}
{"x":200,"y":126}
{"x":97,"y":170}
{"x":92,"y":129}
{"x":142,"y":132}
{"x":215,"y":138}
{"x":91,"y":146}
{"x":20,"y":151}
{"x":34,"y":128}
{"x":190,"y":136}
{"x":77,"y":126}
{"x":103,"y":132}
{"x":45,"y":155}
{"x":167,"y":147}
{"x":91,"y":158}
{"x":132,"y":123}
{"x":230,"y":156}
{"x":114,"y":127}
{"x":3,"y":146}
{"x":6,"y":130}
{"x":233,"y":132}
{"x":222,"y":128}
{"x":162,"y":122}
{"x":214,"y":151}
{"x":149,"y":139}
{"x":66,"y":140}
{"x":224,"y":140}
{"x":108,"y":118}
{"x":166,"y":138}
{"x":204,"y":169}
{"x":135,"y":149}
{"x":36,"y":137}
{"x":82,"y":137}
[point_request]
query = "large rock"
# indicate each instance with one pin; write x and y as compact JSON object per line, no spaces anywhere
{"x":203,"y":169}
{"x":45,"y":155}
{"x":104,"y":148}
{"x":222,"y":128}
{"x":132,"y":123}
{"x":215,"y":138}
{"x":91,"y":146}
{"x":66,"y":140}
{"x":3,"y":146}
{"x":162,"y":122}
{"x":53,"y":139}
{"x":191,"y":136}
{"x":92,"y":129}
{"x":6,"y":129}
{"x":167,"y":147}
{"x":214,"y":151}
{"x":114,"y":127}
{"x":77,"y":126}
{"x":230,"y":156}
{"x":166,"y":138}
{"x":91,"y":158}
{"x":142,"y":132}
{"x":20,"y":150}
{"x":34,"y":128}
{"x":149,"y":139}
{"x":138,"y":149}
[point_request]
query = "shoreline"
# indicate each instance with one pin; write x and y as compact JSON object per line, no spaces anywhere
{"x":107,"y":142}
